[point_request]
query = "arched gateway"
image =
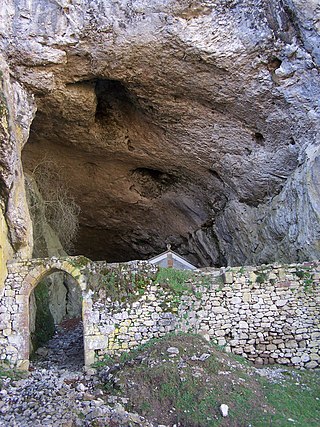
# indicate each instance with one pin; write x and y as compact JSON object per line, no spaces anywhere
{"x":23,"y":277}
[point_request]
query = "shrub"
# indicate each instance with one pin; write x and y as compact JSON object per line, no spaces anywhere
{"x":55,"y":205}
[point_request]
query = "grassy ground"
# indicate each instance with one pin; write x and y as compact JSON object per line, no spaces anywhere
{"x":10,"y":373}
{"x":296,"y":397}
{"x":188,"y":388}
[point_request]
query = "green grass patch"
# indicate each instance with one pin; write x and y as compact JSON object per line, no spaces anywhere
{"x":178,"y":281}
{"x":261,"y":277}
{"x":120,"y":283}
{"x":296,"y":398}
{"x":182,"y":389}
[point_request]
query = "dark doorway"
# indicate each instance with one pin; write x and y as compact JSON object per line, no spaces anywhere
{"x":56,"y":329}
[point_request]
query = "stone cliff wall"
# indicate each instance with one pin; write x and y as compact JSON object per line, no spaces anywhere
{"x":16,"y":113}
{"x":203,"y":113}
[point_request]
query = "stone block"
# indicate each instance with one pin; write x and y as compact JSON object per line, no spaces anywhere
{"x":252,"y":277}
{"x":148,"y":323}
{"x":291,"y":344}
{"x":221,"y":341}
{"x":283,"y":360}
{"x":243,"y":336}
{"x":228,"y":277}
{"x":271,"y":347}
{"x":9,"y":293}
{"x":301,"y":331}
{"x":16,"y":339}
{"x":305,"y":358}
{"x":10,"y":349}
{"x":260,"y":347}
{"x":246,"y":296}
{"x":315,"y":356}
{"x":281,"y":302}
{"x":5,"y":317}
{"x":315,"y":336}
{"x":93,"y":317}
{"x":265,"y":325}
{"x":312,"y":364}
{"x":243,"y":324}
{"x":219,"y":310}
{"x":22,"y":365}
{"x":96,"y":342}
{"x":155,"y":316}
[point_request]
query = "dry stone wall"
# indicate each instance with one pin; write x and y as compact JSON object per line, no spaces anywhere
{"x":268,"y":314}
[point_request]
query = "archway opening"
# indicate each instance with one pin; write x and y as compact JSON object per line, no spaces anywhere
{"x":55,"y":322}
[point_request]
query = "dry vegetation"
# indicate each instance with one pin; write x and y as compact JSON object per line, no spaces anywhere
{"x":54,"y":205}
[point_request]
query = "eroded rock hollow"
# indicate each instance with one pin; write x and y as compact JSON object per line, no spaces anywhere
{"x":190,"y":123}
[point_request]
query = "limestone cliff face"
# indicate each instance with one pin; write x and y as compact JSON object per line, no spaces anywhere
{"x":189,"y":122}
{"x":46,"y":242}
{"x":16,"y":114}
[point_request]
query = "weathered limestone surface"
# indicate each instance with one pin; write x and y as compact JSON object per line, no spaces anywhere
{"x":16,"y":113}
{"x":5,"y":249}
{"x":268,"y":314}
{"x":194,"y":123}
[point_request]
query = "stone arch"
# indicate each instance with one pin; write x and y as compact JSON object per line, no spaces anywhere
{"x":31,"y":280}
{"x":44,"y":269}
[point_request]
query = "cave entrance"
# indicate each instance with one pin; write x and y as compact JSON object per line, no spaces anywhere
{"x":55,"y":322}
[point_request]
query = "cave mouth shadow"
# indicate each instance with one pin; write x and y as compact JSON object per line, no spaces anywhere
{"x":56,"y":327}
{"x":112,"y":96}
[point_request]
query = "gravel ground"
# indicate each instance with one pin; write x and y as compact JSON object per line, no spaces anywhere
{"x":58,"y":392}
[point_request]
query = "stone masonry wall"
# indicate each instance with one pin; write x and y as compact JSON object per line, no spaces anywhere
{"x":22,"y":278}
{"x":268,"y":314}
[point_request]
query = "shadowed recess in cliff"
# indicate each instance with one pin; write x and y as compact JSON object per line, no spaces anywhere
{"x":134,"y":197}
{"x":177,"y":124}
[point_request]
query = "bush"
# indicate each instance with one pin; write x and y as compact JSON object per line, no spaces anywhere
{"x":56,"y":205}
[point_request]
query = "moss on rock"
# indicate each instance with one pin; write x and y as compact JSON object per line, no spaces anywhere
{"x":44,"y":322}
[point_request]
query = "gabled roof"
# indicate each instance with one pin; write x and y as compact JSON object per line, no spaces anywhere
{"x":156,"y":259}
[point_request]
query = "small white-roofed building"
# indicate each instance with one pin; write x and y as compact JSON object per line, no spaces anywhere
{"x":170,"y":259}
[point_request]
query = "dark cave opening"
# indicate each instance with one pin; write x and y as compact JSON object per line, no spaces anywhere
{"x":55,"y":322}
{"x":133,"y":199}
{"x":109,"y":94}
